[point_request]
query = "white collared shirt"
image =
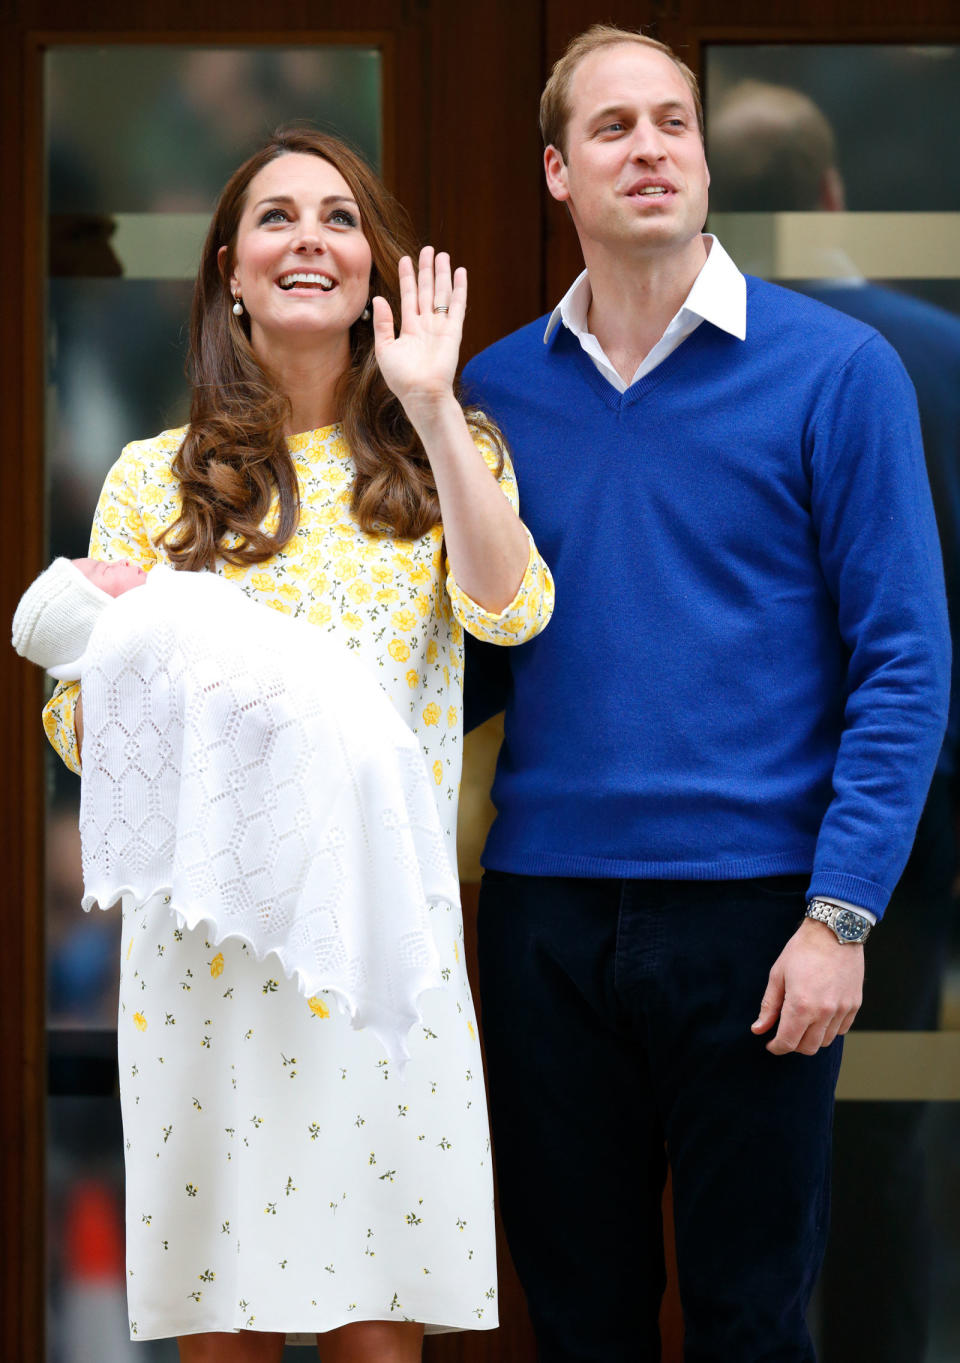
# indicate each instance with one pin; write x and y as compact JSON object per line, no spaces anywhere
{"x":718,"y":295}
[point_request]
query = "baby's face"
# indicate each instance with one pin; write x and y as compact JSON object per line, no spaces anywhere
{"x":112,"y":578}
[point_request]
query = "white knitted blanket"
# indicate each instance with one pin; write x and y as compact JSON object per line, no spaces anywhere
{"x":245,"y":768}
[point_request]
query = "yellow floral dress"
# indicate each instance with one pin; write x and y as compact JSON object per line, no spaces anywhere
{"x":280,"y":1176}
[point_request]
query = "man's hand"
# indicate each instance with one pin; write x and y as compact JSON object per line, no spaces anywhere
{"x":815,"y":987}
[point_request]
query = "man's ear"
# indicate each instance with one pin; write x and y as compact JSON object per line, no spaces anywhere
{"x":555,"y":169}
{"x":832,"y":195}
{"x":222,"y":262}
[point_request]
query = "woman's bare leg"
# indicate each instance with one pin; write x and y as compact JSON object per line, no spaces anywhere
{"x":247,"y":1346}
{"x":372,"y":1341}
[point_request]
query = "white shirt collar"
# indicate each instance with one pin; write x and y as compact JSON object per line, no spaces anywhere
{"x":718,"y":295}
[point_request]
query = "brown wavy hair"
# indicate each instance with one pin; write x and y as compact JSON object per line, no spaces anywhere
{"x":234,"y":458}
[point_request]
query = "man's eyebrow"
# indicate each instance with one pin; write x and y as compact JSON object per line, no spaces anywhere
{"x":288,"y":199}
{"x":667,"y":106}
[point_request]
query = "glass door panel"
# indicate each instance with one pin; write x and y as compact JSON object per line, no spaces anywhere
{"x":139,"y":142}
{"x":834,"y":172}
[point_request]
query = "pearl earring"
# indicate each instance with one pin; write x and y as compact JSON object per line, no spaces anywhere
{"x":365,"y":315}
{"x":237,"y":306}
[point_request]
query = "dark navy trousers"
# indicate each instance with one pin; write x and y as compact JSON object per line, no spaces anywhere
{"x":616,"y":1017}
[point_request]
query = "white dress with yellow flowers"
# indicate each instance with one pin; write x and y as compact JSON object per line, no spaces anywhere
{"x":280,"y":1175}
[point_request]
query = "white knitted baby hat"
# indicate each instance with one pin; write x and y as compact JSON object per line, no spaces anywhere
{"x":56,"y":616}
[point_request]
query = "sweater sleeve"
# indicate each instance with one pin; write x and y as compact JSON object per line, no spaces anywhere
{"x":530,"y":610}
{"x":118,"y":532}
{"x":880,"y":556}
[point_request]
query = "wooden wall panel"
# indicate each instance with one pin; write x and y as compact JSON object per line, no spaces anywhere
{"x":485,"y":68}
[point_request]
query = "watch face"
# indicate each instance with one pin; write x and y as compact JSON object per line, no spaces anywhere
{"x":849,"y":925}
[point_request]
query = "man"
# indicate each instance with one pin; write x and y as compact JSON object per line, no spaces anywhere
{"x":731,"y":723}
{"x":773,"y":150}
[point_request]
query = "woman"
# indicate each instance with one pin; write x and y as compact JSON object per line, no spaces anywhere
{"x":281,"y":1180}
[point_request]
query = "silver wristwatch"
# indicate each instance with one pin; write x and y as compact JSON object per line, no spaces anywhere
{"x":849,"y":927}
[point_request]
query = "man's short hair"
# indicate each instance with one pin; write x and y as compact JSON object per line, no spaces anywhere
{"x":555,"y":100}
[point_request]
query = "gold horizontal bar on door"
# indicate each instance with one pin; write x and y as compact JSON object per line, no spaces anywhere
{"x":842,"y":246}
{"x":900,"y":1067}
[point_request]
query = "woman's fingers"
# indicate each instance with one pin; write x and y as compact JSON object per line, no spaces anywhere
{"x":430,"y":289}
{"x":442,"y":284}
{"x":425,"y":282}
{"x":408,"y":290}
{"x":458,"y":302}
{"x":383,"y":327}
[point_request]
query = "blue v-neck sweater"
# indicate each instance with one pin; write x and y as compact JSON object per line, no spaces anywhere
{"x":747,"y":669}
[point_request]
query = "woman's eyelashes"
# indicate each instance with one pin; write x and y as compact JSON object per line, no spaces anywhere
{"x":340,"y":217}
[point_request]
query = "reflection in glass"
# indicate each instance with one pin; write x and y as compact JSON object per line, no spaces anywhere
{"x":140,"y":140}
{"x":160,"y":129}
{"x":794,"y":131}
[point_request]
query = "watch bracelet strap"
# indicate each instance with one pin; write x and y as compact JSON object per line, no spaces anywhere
{"x":822,"y":911}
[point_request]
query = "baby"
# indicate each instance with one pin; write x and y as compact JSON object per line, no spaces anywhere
{"x":58,"y":611}
{"x":245,"y":771}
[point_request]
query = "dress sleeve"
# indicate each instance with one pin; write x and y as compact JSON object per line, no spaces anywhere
{"x":530,"y":610}
{"x":118,"y":532}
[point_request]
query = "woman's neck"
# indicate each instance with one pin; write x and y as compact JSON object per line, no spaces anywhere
{"x":308,"y":376}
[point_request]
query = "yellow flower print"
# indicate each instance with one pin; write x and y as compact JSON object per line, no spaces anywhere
{"x":233,"y":572}
{"x":289,"y":592}
{"x":404,"y":619}
{"x":277,"y":605}
{"x":345,"y":531}
{"x":456,"y":631}
{"x":413,"y":681}
{"x":438,"y":772}
{"x":216,"y":965}
{"x":319,"y":582}
{"x":140,"y":1022}
{"x":348,"y":568}
{"x":111,"y":518}
{"x":403,"y":561}
{"x":422,"y":604}
{"x":359,"y":591}
{"x":352,"y":619}
{"x":380,"y":573}
{"x":432,"y":651}
{"x":431,"y":713}
{"x":446,"y":675}
{"x":119,"y":548}
{"x":386,"y":594}
{"x":319,"y":615}
{"x":513,"y":626}
{"x":317,"y":1007}
{"x":262,"y":582}
{"x":451,"y":716}
{"x":398,"y":650}
{"x":420,"y":575}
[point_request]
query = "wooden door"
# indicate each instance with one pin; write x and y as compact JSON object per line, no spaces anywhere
{"x":461,"y":151}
